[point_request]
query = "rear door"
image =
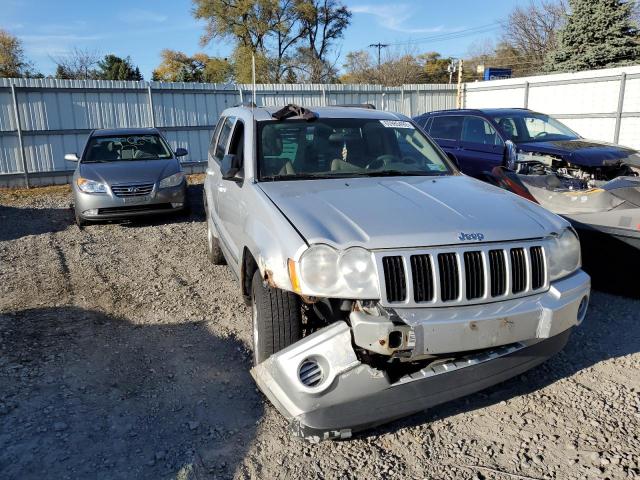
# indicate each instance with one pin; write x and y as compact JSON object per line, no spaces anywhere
{"x":481,"y":147}
{"x":446,"y":130}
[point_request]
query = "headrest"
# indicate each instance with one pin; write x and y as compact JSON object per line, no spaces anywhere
{"x":271,"y":142}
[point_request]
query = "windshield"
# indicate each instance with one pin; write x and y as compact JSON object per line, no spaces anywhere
{"x":338,"y":147}
{"x":533,"y":127}
{"x":134,"y":147}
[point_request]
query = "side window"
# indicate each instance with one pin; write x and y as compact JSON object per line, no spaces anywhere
{"x":223,"y":139}
{"x":478,"y":130}
{"x":447,"y":127}
{"x":214,"y":137}
{"x":236,"y":147}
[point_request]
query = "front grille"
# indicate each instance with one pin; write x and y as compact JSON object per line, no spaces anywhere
{"x":518,"y":270}
{"x":134,"y":209}
{"x":468,"y":274}
{"x":449,"y":277}
{"x":394,"y":276}
{"x":497,"y":272}
{"x":474,"y":273}
{"x":537,"y":268}
{"x":422,"y":274}
{"x":132,"y":190}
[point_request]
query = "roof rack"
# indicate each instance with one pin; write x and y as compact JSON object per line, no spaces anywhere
{"x":246,"y":104}
{"x":294,"y":111}
{"x":369,"y":106}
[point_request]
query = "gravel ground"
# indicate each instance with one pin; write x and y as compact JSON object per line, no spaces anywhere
{"x":124,"y":354}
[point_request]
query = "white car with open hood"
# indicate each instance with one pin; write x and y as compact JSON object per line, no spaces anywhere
{"x":382,"y":281}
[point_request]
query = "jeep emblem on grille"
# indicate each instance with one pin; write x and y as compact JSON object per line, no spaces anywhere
{"x":463,"y":237}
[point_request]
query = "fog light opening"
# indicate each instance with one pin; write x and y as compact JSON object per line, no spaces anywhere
{"x":310,"y":373}
{"x":395,"y":339}
{"x":582,"y":309}
{"x":91,"y":211}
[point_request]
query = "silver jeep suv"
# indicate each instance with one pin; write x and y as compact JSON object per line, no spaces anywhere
{"x":382,"y":281}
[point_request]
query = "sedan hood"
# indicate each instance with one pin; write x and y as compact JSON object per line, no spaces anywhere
{"x":586,"y":153}
{"x":129,"y":171}
{"x":406,"y":212}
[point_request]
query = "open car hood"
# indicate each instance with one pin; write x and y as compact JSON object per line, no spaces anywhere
{"x":586,"y":153}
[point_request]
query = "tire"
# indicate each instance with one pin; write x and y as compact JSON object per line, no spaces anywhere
{"x":80,"y":221}
{"x":214,"y":252}
{"x":277,"y":319}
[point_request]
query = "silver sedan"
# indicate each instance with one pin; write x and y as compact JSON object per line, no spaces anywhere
{"x":127,"y":172}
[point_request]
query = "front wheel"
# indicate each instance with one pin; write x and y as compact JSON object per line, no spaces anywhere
{"x":81,"y":222}
{"x":277,"y":319}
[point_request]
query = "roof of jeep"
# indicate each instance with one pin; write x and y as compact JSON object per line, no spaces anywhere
{"x":265,"y":113}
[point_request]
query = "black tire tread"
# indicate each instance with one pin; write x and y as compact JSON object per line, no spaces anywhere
{"x":279,"y":318}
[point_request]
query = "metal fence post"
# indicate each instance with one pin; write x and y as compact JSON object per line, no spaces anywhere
{"x":240,"y":92}
{"x":324,"y":96}
{"x":402,"y":98}
{"x":151,"y":112}
{"x":623,"y":84}
{"x":23,"y":160}
{"x":526,"y":94}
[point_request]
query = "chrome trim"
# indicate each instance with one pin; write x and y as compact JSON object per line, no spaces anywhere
{"x":459,"y":250}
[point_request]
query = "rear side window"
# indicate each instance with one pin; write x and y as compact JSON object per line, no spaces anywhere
{"x":223,"y":139}
{"x":447,"y":127}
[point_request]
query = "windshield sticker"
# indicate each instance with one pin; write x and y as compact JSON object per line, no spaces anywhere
{"x":396,"y":124}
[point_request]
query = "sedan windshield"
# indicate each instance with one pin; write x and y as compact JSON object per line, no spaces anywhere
{"x":533,"y":127}
{"x":126,"y":148}
{"x":338,"y":147}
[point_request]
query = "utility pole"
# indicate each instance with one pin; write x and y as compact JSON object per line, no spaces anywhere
{"x":459,"y":96}
{"x":379,"y":46}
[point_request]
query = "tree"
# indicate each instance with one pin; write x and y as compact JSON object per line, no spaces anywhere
{"x":323,"y":22}
{"x":112,"y":67}
{"x":397,"y":68}
{"x":13,"y":63}
{"x":78,"y":64}
{"x":532,"y":30}
{"x":179,"y":67}
{"x":598,"y":33}
{"x":435,"y":67}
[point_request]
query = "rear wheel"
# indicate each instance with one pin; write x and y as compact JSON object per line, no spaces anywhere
{"x":277,"y":319}
{"x":214,"y":252}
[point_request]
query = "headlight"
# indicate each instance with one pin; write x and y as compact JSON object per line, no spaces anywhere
{"x":564,"y":255}
{"x":91,"y":186}
{"x":327,"y":272}
{"x":172,"y":180}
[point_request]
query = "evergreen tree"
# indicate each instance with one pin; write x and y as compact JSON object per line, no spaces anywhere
{"x":113,"y":67}
{"x":598,"y":33}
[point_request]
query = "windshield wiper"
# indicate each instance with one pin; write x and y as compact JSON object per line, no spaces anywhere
{"x":395,"y":173}
{"x":297,"y":176}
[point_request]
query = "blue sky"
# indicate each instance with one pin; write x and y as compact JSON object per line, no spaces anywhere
{"x":142,"y":28}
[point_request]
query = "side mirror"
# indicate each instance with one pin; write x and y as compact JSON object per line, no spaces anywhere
{"x":71,"y":157}
{"x":510,"y":154}
{"x":181,"y":152}
{"x":230,"y":167}
{"x":453,"y":159}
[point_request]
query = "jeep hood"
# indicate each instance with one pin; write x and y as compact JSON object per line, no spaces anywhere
{"x":586,"y":153}
{"x":403,"y":212}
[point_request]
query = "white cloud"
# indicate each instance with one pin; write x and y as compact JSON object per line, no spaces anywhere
{"x":142,"y":17}
{"x":394,"y":17}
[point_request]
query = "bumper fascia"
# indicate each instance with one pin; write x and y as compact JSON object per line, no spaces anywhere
{"x":354,"y":396}
{"x":87,"y":201}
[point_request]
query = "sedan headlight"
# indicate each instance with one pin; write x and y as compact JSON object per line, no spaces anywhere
{"x":326,"y":272}
{"x":172,"y":180}
{"x":564,"y":255}
{"x":90,"y":186}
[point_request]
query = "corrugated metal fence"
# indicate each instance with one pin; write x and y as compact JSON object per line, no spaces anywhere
{"x":41,"y":120}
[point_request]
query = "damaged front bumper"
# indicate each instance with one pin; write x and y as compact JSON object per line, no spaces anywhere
{"x":324,"y":388}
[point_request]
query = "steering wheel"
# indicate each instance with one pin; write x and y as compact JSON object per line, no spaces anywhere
{"x":381,"y":161}
{"x":541,"y":134}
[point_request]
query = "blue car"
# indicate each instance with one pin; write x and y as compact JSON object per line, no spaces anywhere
{"x":526,"y":142}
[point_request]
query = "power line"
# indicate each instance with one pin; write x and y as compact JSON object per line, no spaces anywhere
{"x":451,"y":35}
